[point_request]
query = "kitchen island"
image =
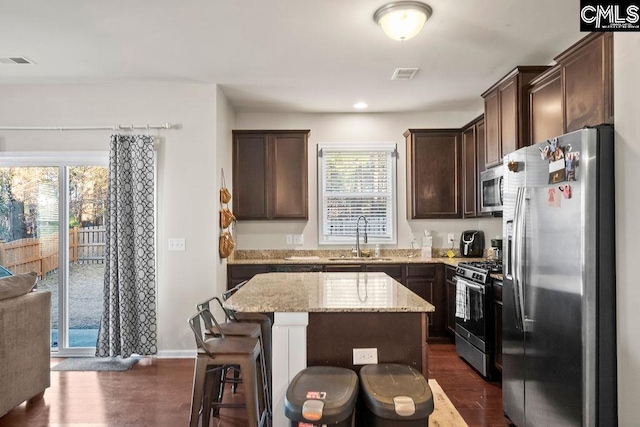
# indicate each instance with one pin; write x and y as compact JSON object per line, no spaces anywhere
{"x":320,"y":317}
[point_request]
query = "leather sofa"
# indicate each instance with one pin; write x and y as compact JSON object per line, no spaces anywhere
{"x":25,"y":345}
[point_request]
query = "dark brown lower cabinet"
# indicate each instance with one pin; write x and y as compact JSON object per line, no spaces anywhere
{"x":497,"y":325}
{"x":399,"y":337}
{"x":393,"y":270}
{"x":237,"y":274}
{"x":427,"y":281}
{"x":343,"y":268}
{"x":449,"y":272}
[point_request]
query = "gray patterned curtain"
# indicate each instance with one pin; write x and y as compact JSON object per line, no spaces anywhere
{"x":128,"y":323}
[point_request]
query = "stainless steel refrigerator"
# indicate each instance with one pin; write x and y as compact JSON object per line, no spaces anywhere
{"x":559,"y":335}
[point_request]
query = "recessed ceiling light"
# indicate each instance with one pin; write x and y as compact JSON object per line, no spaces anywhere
{"x":360,"y":105}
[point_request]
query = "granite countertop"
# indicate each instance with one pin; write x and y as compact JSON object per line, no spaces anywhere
{"x":326,"y":292}
{"x":402,"y":256}
{"x":350,"y":260}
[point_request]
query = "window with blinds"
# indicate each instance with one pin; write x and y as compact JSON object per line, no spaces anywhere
{"x":357,"y":179}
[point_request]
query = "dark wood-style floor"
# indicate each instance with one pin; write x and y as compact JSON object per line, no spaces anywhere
{"x":478,"y":401}
{"x":157,"y":392}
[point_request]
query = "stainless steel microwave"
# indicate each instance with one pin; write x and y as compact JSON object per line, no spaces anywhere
{"x":491,"y":190}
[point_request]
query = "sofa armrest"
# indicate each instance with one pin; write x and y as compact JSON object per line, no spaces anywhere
{"x":25,"y":346}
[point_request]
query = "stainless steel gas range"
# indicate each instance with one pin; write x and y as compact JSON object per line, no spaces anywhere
{"x":474,"y":338}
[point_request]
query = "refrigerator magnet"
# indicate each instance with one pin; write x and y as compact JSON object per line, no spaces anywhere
{"x":553,"y":199}
{"x":571,"y":163}
{"x":565,"y":190}
{"x":556,"y":171}
{"x":514,"y":166}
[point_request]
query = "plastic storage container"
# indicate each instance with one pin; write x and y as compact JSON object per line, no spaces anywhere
{"x":322,"y":395}
{"x":394,"y":395}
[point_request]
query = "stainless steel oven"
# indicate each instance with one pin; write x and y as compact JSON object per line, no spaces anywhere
{"x":473,"y":316}
{"x":491,"y":190}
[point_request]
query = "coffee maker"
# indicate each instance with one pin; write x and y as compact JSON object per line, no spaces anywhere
{"x":496,"y":245}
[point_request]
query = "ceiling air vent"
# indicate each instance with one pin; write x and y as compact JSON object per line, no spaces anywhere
{"x":404,"y":73}
{"x":15,"y":60}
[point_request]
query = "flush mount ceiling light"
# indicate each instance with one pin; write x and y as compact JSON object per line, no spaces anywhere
{"x":360,"y":105}
{"x":402,"y":20}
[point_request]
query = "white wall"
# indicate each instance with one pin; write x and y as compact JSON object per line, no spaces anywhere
{"x":225,"y":123}
{"x":187,"y":179}
{"x":354,"y":128}
{"x":627,"y":124}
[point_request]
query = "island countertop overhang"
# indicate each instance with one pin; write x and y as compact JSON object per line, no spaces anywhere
{"x":326,"y":292}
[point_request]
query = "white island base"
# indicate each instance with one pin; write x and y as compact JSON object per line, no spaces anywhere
{"x":289,"y":356}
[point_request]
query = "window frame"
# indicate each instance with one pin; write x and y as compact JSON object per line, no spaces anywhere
{"x":345,"y":240}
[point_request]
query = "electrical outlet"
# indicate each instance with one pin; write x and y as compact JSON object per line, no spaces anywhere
{"x":177,"y":245}
{"x":289,"y":239}
{"x":450,"y":238}
{"x":298,"y":239}
{"x":365,"y":356}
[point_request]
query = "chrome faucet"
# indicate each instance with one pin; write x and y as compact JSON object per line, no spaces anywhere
{"x":358,"y":251}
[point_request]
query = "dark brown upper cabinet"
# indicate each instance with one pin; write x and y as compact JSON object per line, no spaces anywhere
{"x":545,"y":106}
{"x":433,"y":173}
{"x":469,"y":172}
{"x":506,"y":113}
{"x":587,"y":81}
{"x":480,"y":162}
{"x":472,"y":165}
{"x":576,"y":92}
{"x":270,"y":171}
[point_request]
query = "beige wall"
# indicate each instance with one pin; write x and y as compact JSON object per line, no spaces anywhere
{"x":187,"y":178}
{"x":354,"y":128}
{"x":627,"y":123}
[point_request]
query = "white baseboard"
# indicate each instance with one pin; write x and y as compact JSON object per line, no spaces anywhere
{"x":163,"y":354}
{"x":176,"y":354}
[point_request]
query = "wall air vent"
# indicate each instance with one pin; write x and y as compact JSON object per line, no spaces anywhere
{"x":404,"y":73}
{"x":15,"y":60}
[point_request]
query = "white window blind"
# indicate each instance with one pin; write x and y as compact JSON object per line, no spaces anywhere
{"x":354,"y":180}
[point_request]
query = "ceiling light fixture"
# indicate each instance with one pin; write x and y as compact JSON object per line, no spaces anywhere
{"x":402,"y":20}
{"x":360,"y":105}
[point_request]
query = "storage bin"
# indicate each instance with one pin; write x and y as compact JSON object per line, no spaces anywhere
{"x":322,"y":395}
{"x":394,"y":395}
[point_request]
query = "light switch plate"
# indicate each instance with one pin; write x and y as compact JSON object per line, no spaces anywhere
{"x":177,"y":244}
{"x":298,"y":239}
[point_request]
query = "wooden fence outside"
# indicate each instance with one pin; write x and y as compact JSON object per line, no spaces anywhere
{"x":86,"y":245}
{"x":90,"y":242}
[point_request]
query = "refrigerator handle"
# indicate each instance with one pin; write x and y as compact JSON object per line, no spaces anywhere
{"x":517,"y":257}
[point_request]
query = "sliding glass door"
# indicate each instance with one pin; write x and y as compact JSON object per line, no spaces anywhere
{"x":36,"y":194}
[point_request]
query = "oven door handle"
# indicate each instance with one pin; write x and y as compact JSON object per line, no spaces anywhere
{"x":473,"y":286}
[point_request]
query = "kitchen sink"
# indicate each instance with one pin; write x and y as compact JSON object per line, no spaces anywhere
{"x":359,"y":259}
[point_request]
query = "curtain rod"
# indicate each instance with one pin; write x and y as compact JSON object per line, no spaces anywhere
{"x":114,"y":128}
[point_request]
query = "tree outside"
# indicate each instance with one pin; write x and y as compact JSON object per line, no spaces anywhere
{"x":29,"y":209}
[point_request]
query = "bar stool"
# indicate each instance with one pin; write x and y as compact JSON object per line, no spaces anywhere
{"x":265,"y":326}
{"x":233,"y":327}
{"x":216,"y":352}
